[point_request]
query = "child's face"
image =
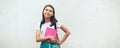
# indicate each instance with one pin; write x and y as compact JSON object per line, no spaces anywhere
{"x":48,"y":12}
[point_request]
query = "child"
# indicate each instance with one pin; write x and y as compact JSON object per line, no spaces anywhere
{"x":49,"y":20}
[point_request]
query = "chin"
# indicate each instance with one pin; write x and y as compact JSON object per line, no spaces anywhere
{"x":47,"y":16}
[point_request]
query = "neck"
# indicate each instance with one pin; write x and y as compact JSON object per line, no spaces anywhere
{"x":47,"y":19}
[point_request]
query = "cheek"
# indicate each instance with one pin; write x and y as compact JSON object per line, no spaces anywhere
{"x":44,"y":13}
{"x":51,"y":14}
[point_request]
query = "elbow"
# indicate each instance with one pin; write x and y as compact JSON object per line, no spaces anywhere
{"x":68,"y":33}
{"x":37,"y":40}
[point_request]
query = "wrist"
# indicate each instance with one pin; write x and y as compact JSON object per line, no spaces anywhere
{"x":59,"y":42}
{"x":47,"y":37}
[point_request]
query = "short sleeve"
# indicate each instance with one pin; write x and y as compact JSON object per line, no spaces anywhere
{"x":59,"y":24}
{"x":38,"y":26}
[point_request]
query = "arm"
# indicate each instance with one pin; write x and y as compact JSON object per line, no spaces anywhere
{"x":67,"y":33}
{"x":38,"y":38}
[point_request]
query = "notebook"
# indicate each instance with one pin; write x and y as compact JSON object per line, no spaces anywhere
{"x":50,"y":32}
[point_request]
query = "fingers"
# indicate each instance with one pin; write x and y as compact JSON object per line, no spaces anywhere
{"x":59,"y":43}
{"x":53,"y":39}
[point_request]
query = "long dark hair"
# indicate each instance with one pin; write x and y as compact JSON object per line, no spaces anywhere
{"x":53,"y":20}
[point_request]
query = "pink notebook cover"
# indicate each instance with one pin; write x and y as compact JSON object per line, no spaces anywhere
{"x":50,"y":32}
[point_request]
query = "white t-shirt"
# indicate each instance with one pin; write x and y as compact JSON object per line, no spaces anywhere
{"x":45,"y":25}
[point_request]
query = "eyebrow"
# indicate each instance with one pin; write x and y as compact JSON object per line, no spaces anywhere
{"x":49,"y":9}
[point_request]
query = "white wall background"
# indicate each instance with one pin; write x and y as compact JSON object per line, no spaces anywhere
{"x":93,"y":23}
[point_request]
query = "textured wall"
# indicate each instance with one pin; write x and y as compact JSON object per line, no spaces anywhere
{"x":93,"y":23}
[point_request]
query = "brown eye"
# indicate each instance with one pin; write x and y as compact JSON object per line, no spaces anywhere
{"x":50,"y":10}
{"x":46,"y":9}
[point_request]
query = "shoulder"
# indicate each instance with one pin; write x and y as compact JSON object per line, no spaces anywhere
{"x":38,"y":26}
{"x":59,"y":24}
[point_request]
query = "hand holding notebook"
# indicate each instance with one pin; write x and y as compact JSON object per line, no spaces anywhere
{"x":50,"y":32}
